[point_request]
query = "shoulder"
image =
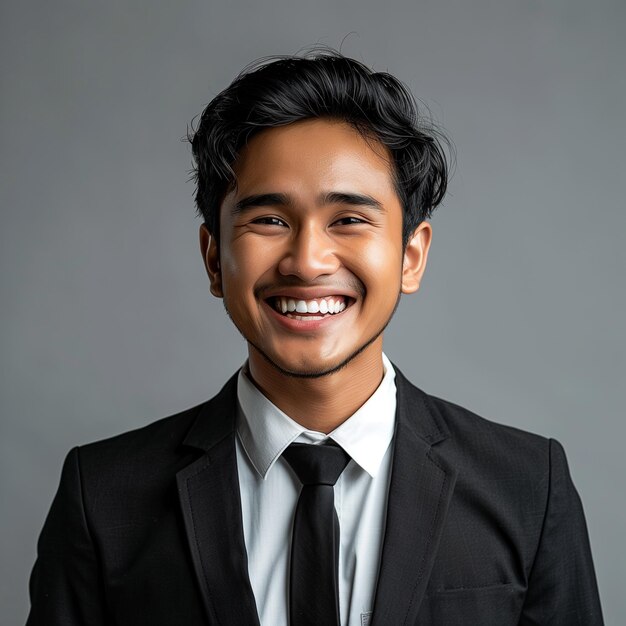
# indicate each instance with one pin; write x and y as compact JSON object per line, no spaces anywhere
{"x":136,"y":452}
{"x":476,"y":445}
{"x":160,"y":433}
{"x":471,"y":430}
{"x":133,"y":475}
{"x":163,"y":445}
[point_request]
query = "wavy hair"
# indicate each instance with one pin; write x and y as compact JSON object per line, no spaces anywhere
{"x":321,"y":84}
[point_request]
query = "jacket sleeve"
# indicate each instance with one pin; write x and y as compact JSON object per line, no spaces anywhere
{"x":65,"y":585}
{"x":562,"y":588}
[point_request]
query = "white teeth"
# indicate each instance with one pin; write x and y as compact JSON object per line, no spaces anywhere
{"x":321,"y":305}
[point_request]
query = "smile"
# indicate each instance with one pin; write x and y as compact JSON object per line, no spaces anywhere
{"x":309,"y":309}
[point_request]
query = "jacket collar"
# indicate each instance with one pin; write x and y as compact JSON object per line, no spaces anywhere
{"x":216,"y":418}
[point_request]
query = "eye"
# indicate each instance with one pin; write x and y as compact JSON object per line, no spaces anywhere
{"x":269,"y":221}
{"x":348,"y":220}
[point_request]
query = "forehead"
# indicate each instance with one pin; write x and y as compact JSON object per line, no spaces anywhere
{"x":311,"y":154}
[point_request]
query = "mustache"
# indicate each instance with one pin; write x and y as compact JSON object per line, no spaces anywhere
{"x":347,"y":285}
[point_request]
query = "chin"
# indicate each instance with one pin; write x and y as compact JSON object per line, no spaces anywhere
{"x":313,"y":368}
{"x":307,"y":368}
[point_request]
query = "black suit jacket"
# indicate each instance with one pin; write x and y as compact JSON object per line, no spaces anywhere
{"x":484,"y":527}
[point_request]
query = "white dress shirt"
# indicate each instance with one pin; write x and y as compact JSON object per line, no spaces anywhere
{"x":270,"y":490}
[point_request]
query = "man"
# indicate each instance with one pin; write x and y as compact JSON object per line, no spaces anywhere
{"x":315,"y":180}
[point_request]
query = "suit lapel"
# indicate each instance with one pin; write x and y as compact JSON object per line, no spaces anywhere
{"x":211,"y":505}
{"x":420,"y":490}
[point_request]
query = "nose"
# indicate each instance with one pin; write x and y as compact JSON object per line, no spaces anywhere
{"x":310,"y":253}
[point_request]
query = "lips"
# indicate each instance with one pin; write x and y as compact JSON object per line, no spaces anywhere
{"x":314,"y":307}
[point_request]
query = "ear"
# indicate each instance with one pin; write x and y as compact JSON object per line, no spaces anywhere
{"x":415,"y":257}
{"x":211,"y":257}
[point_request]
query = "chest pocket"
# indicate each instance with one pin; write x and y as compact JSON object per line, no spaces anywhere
{"x":496,"y":605}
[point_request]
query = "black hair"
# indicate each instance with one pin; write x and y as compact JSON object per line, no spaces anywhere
{"x":322,"y":84}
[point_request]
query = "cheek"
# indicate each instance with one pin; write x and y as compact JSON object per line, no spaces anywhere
{"x":235,"y":276}
{"x":379,"y":263}
{"x":243,"y":266}
{"x":233,"y":262}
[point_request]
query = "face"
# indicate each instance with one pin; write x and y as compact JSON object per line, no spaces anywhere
{"x":310,"y":262}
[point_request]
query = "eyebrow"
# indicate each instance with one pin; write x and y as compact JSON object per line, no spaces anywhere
{"x":281,"y":199}
{"x":353,"y":199}
{"x":261,"y":200}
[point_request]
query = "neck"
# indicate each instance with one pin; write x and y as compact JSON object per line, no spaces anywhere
{"x":325,"y":402}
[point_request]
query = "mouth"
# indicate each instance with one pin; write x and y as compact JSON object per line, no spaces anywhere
{"x":314,"y":309}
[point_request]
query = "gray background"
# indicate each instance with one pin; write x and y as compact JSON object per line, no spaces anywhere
{"x":106,"y":320}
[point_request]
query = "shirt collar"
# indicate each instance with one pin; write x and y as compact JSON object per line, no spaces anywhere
{"x":265,"y":431}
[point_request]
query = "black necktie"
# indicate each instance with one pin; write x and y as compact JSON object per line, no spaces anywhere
{"x":313,"y":594}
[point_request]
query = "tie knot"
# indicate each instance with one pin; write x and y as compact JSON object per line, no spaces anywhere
{"x":316,"y":465}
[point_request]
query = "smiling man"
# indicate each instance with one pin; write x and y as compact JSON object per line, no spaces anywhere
{"x":311,"y":263}
{"x":319,"y":486}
